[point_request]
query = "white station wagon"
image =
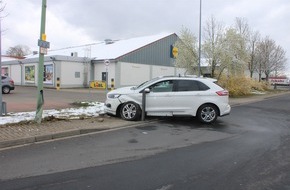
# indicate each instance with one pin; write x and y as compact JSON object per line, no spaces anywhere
{"x":171,"y":96}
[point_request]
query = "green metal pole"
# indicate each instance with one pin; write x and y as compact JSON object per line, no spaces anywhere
{"x":40,"y":98}
{"x":1,"y":104}
{"x":199,"y":41}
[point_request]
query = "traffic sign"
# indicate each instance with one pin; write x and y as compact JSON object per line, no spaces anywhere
{"x":43,"y":44}
{"x":107,"y":62}
{"x":43,"y":50}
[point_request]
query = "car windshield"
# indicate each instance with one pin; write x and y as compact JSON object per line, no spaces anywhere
{"x":142,"y":85}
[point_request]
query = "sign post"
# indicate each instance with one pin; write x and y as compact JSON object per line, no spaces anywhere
{"x":43,"y":45}
{"x":1,"y":107}
{"x":107,"y":63}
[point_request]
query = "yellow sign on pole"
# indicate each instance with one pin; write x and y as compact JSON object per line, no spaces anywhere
{"x":43,"y":37}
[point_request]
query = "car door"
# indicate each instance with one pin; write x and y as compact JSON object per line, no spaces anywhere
{"x":158,"y":101}
{"x":188,"y":96}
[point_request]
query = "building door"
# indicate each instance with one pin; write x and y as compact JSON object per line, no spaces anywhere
{"x":104,"y":76}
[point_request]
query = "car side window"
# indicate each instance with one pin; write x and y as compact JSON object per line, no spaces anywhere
{"x":189,"y":85}
{"x":163,"y":86}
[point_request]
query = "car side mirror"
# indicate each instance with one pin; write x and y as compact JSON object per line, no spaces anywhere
{"x":146,"y":90}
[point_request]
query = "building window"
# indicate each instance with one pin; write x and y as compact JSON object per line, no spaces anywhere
{"x":77,"y":75}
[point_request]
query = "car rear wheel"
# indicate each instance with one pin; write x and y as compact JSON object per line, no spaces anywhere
{"x":207,"y":113}
{"x":5,"y":90}
{"x":130,"y":111}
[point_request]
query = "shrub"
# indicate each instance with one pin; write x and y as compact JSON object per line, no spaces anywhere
{"x":241,"y":85}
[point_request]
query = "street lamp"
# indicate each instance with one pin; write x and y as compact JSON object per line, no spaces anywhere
{"x":199,"y":45}
{"x":1,"y":106}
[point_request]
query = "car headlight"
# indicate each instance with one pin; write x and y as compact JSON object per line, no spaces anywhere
{"x":114,"y":95}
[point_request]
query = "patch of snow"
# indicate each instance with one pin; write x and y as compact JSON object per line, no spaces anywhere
{"x":93,"y":110}
{"x":257,"y":92}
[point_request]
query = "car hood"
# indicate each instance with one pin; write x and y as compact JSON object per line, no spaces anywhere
{"x":123,"y":90}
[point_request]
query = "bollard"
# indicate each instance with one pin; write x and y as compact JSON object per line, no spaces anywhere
{"x":112,"y":84}
{"x":57,"y":83}
{"x":4,"y":108}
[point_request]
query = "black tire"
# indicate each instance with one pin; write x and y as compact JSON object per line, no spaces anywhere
{"x":5,"y":90}
{"x":207,"y":113}
{"x":130,"y":111}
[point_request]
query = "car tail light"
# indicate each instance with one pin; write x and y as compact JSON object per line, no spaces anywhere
{"x":11,"y":82}
{"x":223,"y":93}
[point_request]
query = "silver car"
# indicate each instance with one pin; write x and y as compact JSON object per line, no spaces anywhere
{"x":7,"y":84}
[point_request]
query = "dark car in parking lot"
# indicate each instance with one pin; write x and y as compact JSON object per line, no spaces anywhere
{"x":7,"y":84}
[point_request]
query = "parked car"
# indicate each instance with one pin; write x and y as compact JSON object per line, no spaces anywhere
{"x":171,"y":96}
{"x":7,"y":84}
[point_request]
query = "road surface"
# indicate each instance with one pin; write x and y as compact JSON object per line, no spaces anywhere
{"x":250,"y":149}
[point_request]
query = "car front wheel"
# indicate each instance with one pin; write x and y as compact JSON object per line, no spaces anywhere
{"x":130,"y":111}
{"x":5,"y":90}
{"x":207,"y":113}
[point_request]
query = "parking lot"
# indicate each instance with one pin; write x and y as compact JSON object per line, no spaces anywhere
{"x":25,"y":98}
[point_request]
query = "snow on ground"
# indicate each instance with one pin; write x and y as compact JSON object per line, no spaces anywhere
{"x":92,"y":109}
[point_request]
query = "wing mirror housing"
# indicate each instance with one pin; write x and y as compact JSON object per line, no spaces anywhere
{"x":146,"y":90}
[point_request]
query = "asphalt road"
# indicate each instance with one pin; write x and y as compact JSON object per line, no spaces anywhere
{"x":250,"y":149}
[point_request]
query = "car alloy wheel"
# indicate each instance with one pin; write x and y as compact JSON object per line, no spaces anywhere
{"x":5,"y":90}
{"x":130,"y":111}
{"x":207,"y":113}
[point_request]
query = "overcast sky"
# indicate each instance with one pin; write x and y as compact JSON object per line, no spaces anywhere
{"x":77,"y":22}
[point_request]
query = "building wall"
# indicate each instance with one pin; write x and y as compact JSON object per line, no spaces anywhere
{"x":133,"y":68}
{"x":100,"y":68}
{"x":131,"y":74}
{"x":16,"y":73}
{"x":162,"y":71}
{"x":157,"y":53}
{"x":72,"y":74}
{"x":134,"y":74}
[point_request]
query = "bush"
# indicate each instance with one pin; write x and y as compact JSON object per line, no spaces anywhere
{"x":241,"y":86}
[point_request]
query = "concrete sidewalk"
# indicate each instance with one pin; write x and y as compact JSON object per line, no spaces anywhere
{"x":26,"y":133}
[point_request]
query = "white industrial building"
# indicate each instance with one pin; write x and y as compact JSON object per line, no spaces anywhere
{"x":127,"y":62}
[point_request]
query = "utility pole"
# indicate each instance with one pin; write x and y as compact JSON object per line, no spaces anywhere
{"x":43,"y":45}
{"x":199,"y":46}
{"x":1,"y":106}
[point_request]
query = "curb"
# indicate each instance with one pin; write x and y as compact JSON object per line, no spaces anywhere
{"x":243,"y":101}
{"x":65,"y":134}
{"x":40,"y":138}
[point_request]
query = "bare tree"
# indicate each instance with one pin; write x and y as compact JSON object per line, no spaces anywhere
{"x":187,"y":51}
{"x":18,"y":51}
{"x":254,"y":39}
{"x":251,"y":39}
{"x":271,"y":57}
{"x":242,"y":27}
{"x":212,"y":46}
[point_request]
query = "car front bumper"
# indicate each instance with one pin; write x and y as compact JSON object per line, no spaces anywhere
{"x":111,"y":106}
